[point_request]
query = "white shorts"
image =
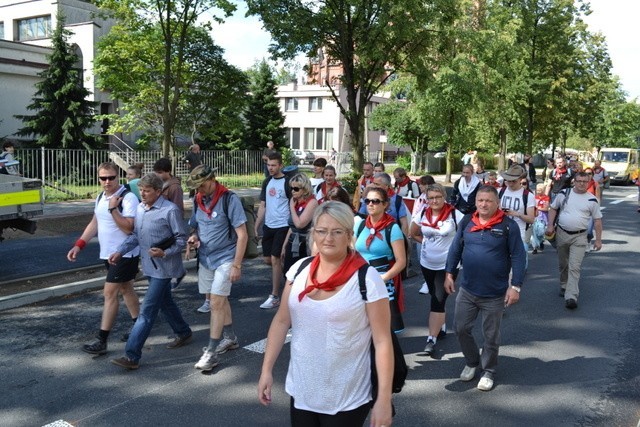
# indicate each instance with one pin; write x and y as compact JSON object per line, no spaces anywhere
{"x":216,"y":282}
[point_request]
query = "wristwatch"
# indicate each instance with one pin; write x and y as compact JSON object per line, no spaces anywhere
{"x":112,"y":209}
{"x":515,"y":288}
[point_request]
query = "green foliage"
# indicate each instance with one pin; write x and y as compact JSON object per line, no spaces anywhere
{"x":350,"y":182}
{"x":264,"y":119}
{"x":62,"y":111}
{"x":404,"y":162}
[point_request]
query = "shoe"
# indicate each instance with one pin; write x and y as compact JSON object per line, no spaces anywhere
{"x":535,"y":251}
{"x":443,"y":333}
{"x":174,"y":285}
{"x":271,"y":302}
{"x":205,"y":308}
{"x":562,"y":290}
{"x":96,"y":347}
{"x":208,"y":360}
{"x":227,"y":344}
{"x":424,"y":290}
{"x":430,"y":347}
{"x":180,"y":341}
{"x":571,"y":304}
{"x":485,"y":383}
{"x":468,"y":373}
{"x":125,"y":362}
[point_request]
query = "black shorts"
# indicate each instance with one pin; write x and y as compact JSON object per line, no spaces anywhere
{"x":273,"y":240}
{"x":124,"y":271}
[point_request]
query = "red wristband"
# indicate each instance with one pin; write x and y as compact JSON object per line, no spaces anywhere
{"x":80,"y":243}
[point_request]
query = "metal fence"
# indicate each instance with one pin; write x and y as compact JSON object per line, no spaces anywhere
{"x":74,"y":172}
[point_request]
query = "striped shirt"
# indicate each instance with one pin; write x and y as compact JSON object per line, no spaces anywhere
{"x":152,"y":225}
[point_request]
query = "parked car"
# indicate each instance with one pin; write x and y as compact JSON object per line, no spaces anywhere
{"x":304,"y":156}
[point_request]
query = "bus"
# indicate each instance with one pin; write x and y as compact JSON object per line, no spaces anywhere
{"x":619,"y":163}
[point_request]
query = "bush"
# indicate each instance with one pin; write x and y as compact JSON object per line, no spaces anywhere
{"x":404,"y":162}
{"x":350,"y":182}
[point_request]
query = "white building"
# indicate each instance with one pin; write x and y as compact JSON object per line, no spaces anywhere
{"x":26,"y":27}
{"x":314,"y":122}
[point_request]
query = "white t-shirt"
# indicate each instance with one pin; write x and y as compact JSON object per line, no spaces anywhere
{"x":276,"y":204}
{"x":330,"y":365}
{"x":109,"y":234}
{"x":436,"y":242}
{"x":315,"y":182}
{"x":514,"y":200}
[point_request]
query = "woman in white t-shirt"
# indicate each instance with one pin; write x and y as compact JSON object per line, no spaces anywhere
{"x":329,"y":376}
{"x":435,"y":229}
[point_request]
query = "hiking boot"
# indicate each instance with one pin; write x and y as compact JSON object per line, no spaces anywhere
{"x":125,"y":362}
{"x":227,"y":344}
{"x":208,"y":360}
{"x":571,"y":304}
{"x":468,"y":373}
{"x":271,"y":302}
{"x":430,"y":347}
{"x":485,"y":383}
{"x":180,"y":341}
{"x":205,"y":308}
{"x":424,"y":289}
{"x":96,"y":347}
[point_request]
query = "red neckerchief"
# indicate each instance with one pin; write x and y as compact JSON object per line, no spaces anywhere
{"x":323,"y":188}
{"x":390,"y":193}
{"x":598,"y":170}
{"x":559,"y":173}
{"x":301,"y":204}
{"x":377,"y":227}
{"x":495,"y":219}
{"x":350,"y":265}
{"x":444,"y":213}
{"x":403,"y":183}
{"x":591,"y":187}
{"x":220,"y":190}
{"x":366,"y":181}
{"x":495,"y":184}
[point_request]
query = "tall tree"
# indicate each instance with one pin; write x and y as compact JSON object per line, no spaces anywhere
{"x":63,"y":112}
{"x":263,"y":116}
{"x":175,"y":19}
{"x":370,"y":39}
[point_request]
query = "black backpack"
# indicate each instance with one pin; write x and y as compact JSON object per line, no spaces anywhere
{"x":525,"y":199}
{"x":400,"y":369}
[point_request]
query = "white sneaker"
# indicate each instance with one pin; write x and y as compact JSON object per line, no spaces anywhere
{"x":227,"y":344}
{"x":485,"y":384}
{"x":271,"y":302}
{"x":424,"y":290}
{"x":208,"y":361}
{"x":468,"y":373}
{"x":205,"y":308}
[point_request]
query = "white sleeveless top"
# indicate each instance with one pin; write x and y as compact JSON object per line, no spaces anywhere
{"x":330,"y":364}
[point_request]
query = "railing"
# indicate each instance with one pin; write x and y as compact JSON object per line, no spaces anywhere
{"x":74,"y":172}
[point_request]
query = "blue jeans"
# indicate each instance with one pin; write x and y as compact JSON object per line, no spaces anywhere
{"x":468,"y":307}
{"x":158,"y":297}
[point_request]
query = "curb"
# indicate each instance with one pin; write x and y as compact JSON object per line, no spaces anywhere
{"x":31,"y":297}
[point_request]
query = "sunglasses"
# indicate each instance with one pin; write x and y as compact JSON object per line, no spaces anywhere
{"x":374,"y":201}
{"x":107,"y":178}
{"x":296,"y":188}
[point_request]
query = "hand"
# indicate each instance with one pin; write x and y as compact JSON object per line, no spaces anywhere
{"x":511,"y":297}
{"x":234,"y":274}
{"x":381,"y":414}
{"x":449,"y":285}
{"x":264,"y":389}
{"x":114,"y":258}
{"x":156,"y":252}
{"x":72,"y":255}
{"x":549,"y":230}
{"x":597,"y":245}
{"x":114,"y":202}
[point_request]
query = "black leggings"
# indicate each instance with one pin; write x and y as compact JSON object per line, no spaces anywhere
{"x":353,"y":418}
{"x":435,"y":282}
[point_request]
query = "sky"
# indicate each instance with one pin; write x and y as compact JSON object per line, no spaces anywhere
{"x":245,"y":42}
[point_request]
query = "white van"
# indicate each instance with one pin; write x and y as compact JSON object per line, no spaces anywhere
{"x":619,"y":163}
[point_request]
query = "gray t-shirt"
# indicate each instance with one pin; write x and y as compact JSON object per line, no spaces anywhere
{"x":579,"y":209}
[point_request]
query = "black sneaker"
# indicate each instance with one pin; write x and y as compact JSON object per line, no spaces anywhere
{"x":571,"y":304}
{"x":442,"y":334}
{"x":96,"y":347}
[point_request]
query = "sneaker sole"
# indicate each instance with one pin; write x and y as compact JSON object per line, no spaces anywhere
{"x":97,"y":353}
{"x":269,"y":307}
{"x":230,"y":347}
{"x":206,"y":368}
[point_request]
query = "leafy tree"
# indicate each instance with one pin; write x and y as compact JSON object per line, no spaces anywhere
{"x":173,"y":21}
{"x":371,"y":40}
{"x":264,"y":119}
{"x":62,"y":111}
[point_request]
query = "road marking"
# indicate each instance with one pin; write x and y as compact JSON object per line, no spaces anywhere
{"x":617,"y":202}
{"x":259,"y":346}
{"x":58,"y":423}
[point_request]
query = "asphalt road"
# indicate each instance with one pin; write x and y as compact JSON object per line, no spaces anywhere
{"x":557,"y":367}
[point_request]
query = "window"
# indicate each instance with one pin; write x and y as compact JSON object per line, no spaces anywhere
{"x":318,"y":138}
{"x":291,"y":104}
{"x":34,"y":28}
{"x":315,"y":103}
{"x":293,"y":138}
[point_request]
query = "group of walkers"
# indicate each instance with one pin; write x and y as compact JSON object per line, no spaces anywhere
{"x":342,"y":261}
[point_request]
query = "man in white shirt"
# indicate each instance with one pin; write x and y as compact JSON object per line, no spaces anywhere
{"x":517,"y":201}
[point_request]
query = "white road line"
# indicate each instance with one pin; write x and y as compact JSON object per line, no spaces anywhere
{"x":259,"y":346}
{"x":616,"y":202}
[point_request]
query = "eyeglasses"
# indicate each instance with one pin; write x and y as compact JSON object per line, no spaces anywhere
{"x":589,"y":173}
{"x":580,"y":181}
{"x":337,"y":233}
{"x":374,"y":201}
{"x":107,"y":178}
{"x":433,"y":199}
{"x":296,"y":188}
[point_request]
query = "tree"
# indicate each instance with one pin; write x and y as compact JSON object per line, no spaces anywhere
{"x":370,"y":39}
{"x":174,"y":21}
{"x":263,"y":117}
{"x":63,"y":112}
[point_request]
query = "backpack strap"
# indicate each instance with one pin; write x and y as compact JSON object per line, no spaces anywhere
{"x":305,"y":262}
{"x":387,"y":233}
{"x":127,"y":189}
{"x":398,"y":204}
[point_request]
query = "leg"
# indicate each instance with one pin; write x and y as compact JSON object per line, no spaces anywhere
{"x":172,"y":313}
{"x":204,"y":285}
{"x":492,"y":310}
{"x":563,"y":256}
{"x":276,"y":275}
{"x":577,"y":249}
{"x":110,"y":309}
{"x":148,"y":313}
{"x":464,"y":319}
{"x":131,"y":299}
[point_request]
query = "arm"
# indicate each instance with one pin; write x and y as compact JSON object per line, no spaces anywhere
{"x":401,"y":260}
{"x":404,"y":225}
{"x":259,"y":217}
{"x":275,"y":341}
{"x":307,"y":214}
{"x":552,"y":218}
{"x":379,"y":317}
{"x":529,"y":217}
{"x":597,"y":227}
{"x":241,"y":245}
{"x":89,"y":232}
{"x":416,"y":232}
